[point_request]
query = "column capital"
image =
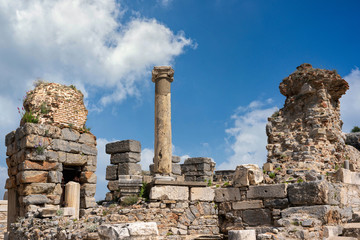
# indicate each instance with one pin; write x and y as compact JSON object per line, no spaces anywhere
{"x":163,"y":72}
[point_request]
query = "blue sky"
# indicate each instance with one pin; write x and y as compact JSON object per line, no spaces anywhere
{"x":229,"y":58}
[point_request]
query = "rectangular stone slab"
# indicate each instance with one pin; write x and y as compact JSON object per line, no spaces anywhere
{"x":267,"y":191}
{"x":169,"y":193}
{"x":123,"y":146}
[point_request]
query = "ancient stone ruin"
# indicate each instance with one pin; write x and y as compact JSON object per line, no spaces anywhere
{"x":309,"y":188}
{"x":51,"y":160}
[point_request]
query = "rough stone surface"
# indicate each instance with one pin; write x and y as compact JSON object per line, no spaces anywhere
{"x":267,"y":191}
{"x":247,"y":174}
{"x":125,"y":157}
{"x":227,"y":194}
{"x":123,"y":146}
{"x":202,"y":194}
{"x":247,"y":205}
{"x":309,"y":193}
{"x":169,"y":193}
{"x":306,"y":132}
{"x":242,"y":235}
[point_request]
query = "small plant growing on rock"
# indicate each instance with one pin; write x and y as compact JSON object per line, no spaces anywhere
{"x":272,"y":175}
{"x":59,"y":212}
{"x":226,"y":184}
{"x":129,"y":200}
{"x":92,"y":228}
{"x":86,"y":129}
{"x":275,"y":114}
{"x":40,"y":149}
{"x":44,"y":108}
{"x":144,"y":191}
{"x":28,"y":116}
{"x":355,"y":129}
{"x":209,"y":183}
{"x":300,"y":180}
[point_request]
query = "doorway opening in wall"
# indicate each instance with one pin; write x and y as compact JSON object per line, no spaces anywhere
{"x":70,"y":173}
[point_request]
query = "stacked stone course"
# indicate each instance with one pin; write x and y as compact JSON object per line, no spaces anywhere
{"x":124,"y":173}
{"x":198,"y":169}
{"x":175,"y":167}
{"x":37,"y":155}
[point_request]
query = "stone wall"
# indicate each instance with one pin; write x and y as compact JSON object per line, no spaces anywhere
{"x":57,"y":104}
{"x":3,"y":218}
{"x":39,"y":159}
{"x":306,"y":133}
{"x":198,"y":169}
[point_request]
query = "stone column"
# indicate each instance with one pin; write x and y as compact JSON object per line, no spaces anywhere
{"x":72,"y":197}
{"x":162,"y":77}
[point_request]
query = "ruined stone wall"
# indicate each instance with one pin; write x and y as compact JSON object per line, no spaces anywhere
{"x":306,"y":133}
{"x":37,"y":156}
{"x":3,"y":217}
{"x":57,"y":104}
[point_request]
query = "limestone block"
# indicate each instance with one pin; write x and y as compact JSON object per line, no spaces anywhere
{"x":308,"y":193}
{"x":31,"y":141}
{"x":36,"y":188}
{"x":175,"y":159}
{"x":87,"y":138}
{"x":125,"y":157}
{"x":55,"y":177}
{"x":332,"y":231}
{"x":279,"y":203}
{"x":88,"y":177}
{"x":143,"y":229}
{"x":267,"y":191}
{"x":129,"y":169}
{"x":70,"y":134}
{"x":113,"y":231}
{"x":60,"y":145}
{"x":48,"y":211}
{"x":75,"y":147}
{"x":88,"y":150}
{"x":257,"y":217}
{"x":247,"y":174}
{"x":319,"y":212}
{"x":9,"y":138}
{"x":35,"y":200}
{"x":91,"y":160}
{"x":123,"y":146}
{"x":268,"y":167}
{"x":89,"y":168}
{"x":176,"y":169}
{"x":202,"y":194}
{"x":30,"y":165}
{"x":11,"y":149}
{"x":169,"y":193}
{"x":87,"y":190}
{"x":10,"y":183}
{"x":75,"y":159}
{"x":108,"y":196}
{"x":197,"y":160}
{"x":113,"y":185}
{"x":242,"y":235}
{"x":253,"y":204}
{"x":227,"y":194}
{"x":87,"y":202}
{"x":62,"y":156}
{"x":111,"y":172}
{"x":31,"y":177}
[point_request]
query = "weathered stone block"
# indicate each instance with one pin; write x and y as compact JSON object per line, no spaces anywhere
{"x":175,"y":159}
{"x":176,"y":169}
{"x":35,"y":200}
{"x":319,"y":212}
{"x":169,"y":193}
{"x":113,"y":231}
{"x":227,"y":194}
{"x":143,"y":229}
{"x":48,"y":211}
{"x":242,"y":235}
{"x":257,"y":217}
{"x":267,"y":191}
{"x":202,"y":194}
{"x":111,"y":172}
{"x":88,"y":177}
{"x":309,"y":193}
{"x":268,"y":167}
{"x":87,"y":190}
{"x":197,"y":160}
{"x":68,"y":211}
{"x":30,"y":165}
{"x":126,"y":157}
{"x":276,"y":203}
{"x":55,"y":177}
{"x":10,"y":183}
{"x":123,"y":146}
{"x":88,"y":150}
{"x":31,"y":177}
{"x":36,"y":188}
{"x":75,"y":159}
{"x":87,"y":138}
{"x":129,"y":169}
{"x":91,"y":160}
{"x":9,"y":138}
{"x":87,"y":202}
{"x":70,"y":134}
{"x":75,"y":147}
{"x":243,"y":205}
{"x":113,"y":185}
{"x":247,"y":174}
{"x":60,"y":145}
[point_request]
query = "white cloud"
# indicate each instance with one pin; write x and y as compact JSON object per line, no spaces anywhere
{"x":3,"y":177}
{"x":350,"y":107}
{"x":147,"y":156}
{"x":247,"y":138}
{"x":164,"y":3}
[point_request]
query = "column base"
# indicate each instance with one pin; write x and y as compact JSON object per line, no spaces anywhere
{"x":163,"y":178}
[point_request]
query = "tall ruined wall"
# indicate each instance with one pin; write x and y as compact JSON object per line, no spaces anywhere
{"x":306,"y":132}
{"x":57,"y":104}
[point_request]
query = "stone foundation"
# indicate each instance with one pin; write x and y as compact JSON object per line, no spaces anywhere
{"x":198,"y":169}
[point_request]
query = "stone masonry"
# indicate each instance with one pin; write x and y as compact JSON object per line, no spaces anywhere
{"x":124,"y":173}
{"x":43,"y":157}
{"x":57,"y":104}
{"x":198,"y":169}
{"x":306,"y":133}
